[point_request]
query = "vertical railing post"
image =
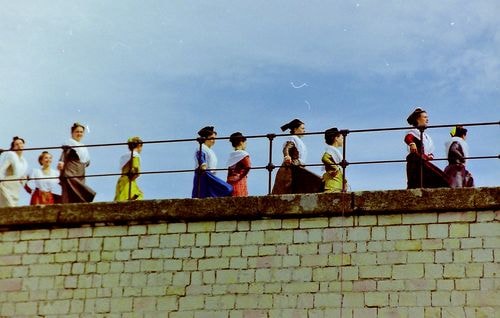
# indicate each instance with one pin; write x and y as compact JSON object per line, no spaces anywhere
{"x":270,"y":166}
{"x":198,"y":168}
{"x":344,"y":162}
{"x":129,"y":174}
{"x":421,"y":155}
{"x":198,"y":172}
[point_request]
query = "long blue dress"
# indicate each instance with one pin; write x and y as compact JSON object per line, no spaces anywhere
{"x":206,"y":184}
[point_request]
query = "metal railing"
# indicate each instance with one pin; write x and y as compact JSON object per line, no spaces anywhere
{"x":270,"y":166}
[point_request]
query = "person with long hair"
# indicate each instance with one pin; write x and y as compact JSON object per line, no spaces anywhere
{"x":75,"y":158}
{"x":238,"y":165}
{"x":205,"y":183}
{"x":457,"y":151}
{"x":130,"y":165}
{"x":292,"y":176}
{"x":420,"y":171}
{"x":45,"y":179}
{"x":13,"y":170}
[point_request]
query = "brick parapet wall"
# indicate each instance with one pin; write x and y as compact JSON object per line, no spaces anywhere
{"x":439,"y":261}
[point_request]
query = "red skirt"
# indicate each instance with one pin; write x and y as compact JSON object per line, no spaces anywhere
{"x":42,"y":197}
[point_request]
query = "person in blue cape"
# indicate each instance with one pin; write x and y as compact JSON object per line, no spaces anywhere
{"x":206,"y":184}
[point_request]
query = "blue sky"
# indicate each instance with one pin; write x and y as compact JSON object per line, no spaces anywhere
{"x":164,"y":69}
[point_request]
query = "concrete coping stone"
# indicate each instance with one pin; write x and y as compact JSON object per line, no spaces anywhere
{"x":253,"y":207}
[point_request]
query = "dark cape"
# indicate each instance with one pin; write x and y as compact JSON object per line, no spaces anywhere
{"x":296,"y":179}
{"x":420,"y":169}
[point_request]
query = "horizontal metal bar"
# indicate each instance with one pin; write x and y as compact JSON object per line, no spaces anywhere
{"x":263,"y":136}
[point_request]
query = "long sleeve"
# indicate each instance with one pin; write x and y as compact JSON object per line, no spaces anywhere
{"x":286,"y":149}
{"x":290,"y":149}
{"x":200,"y":158}
{"x":409,"y":139}
{"x":456,"y":154}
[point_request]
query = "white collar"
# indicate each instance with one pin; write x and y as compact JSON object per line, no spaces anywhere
{"x":300,"y":145}
{"x":82,"y":152}
{"x":427,"y":141}
{"x":461,"y":141}
{"x":211,"y":158}
{"x":126,"y":158}
{"x":335,"y":152}
{"x":236,"y":156}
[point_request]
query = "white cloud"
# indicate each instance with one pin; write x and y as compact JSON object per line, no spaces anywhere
{"x":94,"y":43}
{"x":160,"y":69}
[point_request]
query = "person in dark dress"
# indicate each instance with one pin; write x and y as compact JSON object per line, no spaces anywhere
{"x":72,"y":163}
{"x":457,"y":150}
{"x":292,"y":176}
{"x":420,"y":171}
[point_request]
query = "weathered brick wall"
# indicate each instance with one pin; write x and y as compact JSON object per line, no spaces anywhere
{"x":427,"y":264}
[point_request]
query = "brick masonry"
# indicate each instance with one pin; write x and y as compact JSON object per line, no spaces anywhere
{"x":372,"y":262}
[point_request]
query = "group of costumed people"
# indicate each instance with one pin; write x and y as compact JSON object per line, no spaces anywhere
{"x":292,"y":176}
{"x":67,"y":184}
{"x":206,"y":183}
{"x":420,"y":171}
{"x":45,"y":184}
